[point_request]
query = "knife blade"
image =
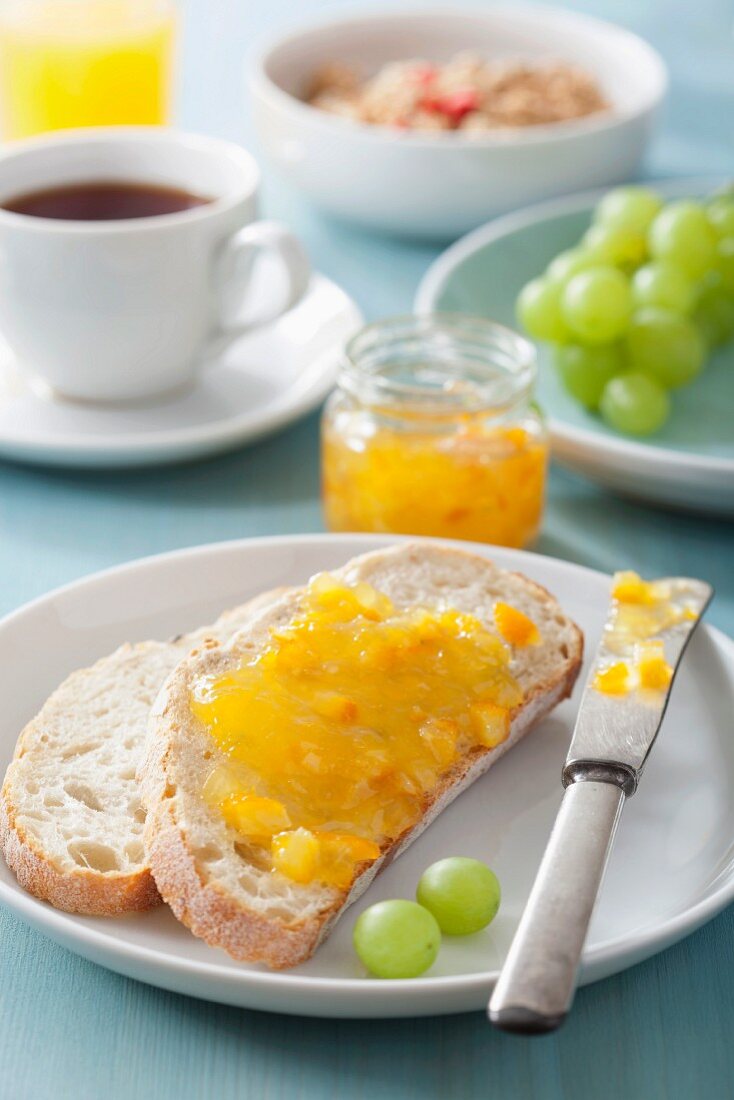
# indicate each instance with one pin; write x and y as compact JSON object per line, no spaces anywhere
{"x":622,"y":708}
{"x":622,"y":729}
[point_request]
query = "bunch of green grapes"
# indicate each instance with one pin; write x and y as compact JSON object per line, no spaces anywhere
{"x":634,"y":310}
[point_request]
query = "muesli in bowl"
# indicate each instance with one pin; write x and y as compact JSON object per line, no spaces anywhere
{"x":551,"y":102}
{"x":469,"y":93}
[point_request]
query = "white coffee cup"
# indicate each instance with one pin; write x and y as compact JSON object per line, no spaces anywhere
{"x":127,"y":309}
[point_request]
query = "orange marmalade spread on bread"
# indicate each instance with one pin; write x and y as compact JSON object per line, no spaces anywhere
{"x":338,"y":730}
{"x":640,"y":611}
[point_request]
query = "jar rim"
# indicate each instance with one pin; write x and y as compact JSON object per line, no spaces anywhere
{"x":501,"y":364}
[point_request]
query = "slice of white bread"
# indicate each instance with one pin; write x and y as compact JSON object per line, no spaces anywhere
{"x":259,"y":915}
{"x":71,"y":819}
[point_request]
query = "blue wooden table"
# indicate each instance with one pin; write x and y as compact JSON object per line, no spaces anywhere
{"x":662,"y":1031}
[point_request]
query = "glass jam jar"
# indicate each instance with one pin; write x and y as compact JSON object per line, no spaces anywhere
{"x":432,"y":431}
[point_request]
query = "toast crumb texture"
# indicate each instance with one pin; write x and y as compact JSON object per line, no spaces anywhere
{"x":71,"y":816}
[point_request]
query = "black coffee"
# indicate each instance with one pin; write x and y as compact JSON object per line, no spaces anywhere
{"x":103,"y":200}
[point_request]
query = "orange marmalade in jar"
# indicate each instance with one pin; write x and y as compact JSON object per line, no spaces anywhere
{"x":432,"y":431}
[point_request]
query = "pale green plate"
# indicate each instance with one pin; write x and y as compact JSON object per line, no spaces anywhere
{"x":690,"y":462}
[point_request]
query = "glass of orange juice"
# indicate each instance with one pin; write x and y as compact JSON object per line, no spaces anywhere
{"x":68,"y":63}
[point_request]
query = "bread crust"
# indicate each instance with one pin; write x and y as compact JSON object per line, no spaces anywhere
{"x":85,"y":890}
{"x":201,"y":902}
{"x":81,"y":891}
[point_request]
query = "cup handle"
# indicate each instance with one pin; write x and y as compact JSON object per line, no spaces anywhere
{"x":233,"y":276}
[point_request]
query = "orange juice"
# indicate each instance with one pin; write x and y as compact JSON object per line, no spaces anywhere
{"x":67,"y":63}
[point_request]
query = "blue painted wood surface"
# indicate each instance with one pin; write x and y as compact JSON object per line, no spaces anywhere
{"x":68,"y":1029}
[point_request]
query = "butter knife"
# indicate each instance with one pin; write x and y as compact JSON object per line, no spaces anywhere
{"x":612,"y":739}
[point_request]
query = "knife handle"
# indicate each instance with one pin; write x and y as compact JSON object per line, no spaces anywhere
{"x":536,"y":986}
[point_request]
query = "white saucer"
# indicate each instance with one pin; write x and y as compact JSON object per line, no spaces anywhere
{"x":672,"y":867}
{"x":259,"y":384}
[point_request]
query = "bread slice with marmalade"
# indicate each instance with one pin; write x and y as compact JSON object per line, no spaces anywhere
{"x":225,"y":886}
{"x":71,"y":818}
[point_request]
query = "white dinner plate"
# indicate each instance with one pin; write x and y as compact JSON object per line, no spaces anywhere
{"x":260,"y":383}
{"x":672,"y":867}
{"x":690,"y":462}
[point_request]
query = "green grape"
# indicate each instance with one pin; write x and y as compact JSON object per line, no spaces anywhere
{"x":539,"y":310}
{"x":611,"y":244}
{"x":397,"y":939}
{"x":725,"y":262}
{"x":666,"y":345}
{"x":569,"y":263}
{"x":708,"y":329}
{"x":586,"y":371}
{"x":462,"y":893}
{"x":720,"y":213}
{"x":662,"y":284}
{"x":725,"y":191}
{"x":714,"y":313}
{"x":596,"y":305}
{"x":631,"y":208}
{"x":635,"y":404}
{"x":682,"y":234}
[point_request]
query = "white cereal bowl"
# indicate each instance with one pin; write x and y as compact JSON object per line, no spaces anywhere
{"x":439,"y":186}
